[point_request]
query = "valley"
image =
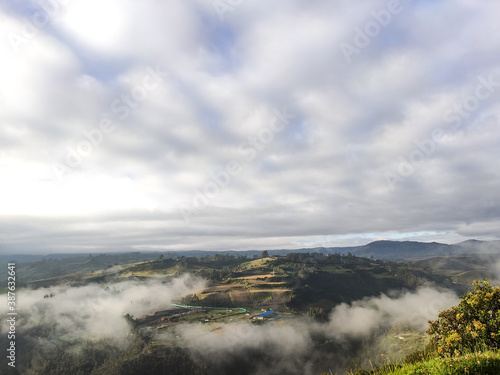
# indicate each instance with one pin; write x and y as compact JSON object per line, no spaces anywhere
{"x":227,"y":303}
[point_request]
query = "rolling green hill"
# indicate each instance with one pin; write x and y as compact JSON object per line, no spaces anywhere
{"x":299,"y":281}
{"x":294,"y":284}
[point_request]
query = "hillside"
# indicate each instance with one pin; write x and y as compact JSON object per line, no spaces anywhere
{"x":299,"y":280}
{"x":294,"y":287}
{"x":466,"y":260}
{"x":36,"y":267}
{"x":462,"y":340}
{"x":480,"y":363}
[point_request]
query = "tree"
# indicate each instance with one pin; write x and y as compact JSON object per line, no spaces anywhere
{"x":318,"y":313}
{"x":190,"y":299}
{"x":265,"y":254}
{"x":474,"y":324}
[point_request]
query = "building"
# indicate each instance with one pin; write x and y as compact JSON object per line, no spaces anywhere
{"x":268,"y":314}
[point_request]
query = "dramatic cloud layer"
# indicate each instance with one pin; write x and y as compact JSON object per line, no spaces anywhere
{"x":201,"y":124}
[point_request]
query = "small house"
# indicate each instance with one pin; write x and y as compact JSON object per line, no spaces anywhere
{"x":268,"y":314}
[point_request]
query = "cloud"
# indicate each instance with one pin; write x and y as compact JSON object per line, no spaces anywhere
{"x":324,"y":174}
{"x":96,"y":311}
{"x":294,"y":346}
{"x":416,"y":309}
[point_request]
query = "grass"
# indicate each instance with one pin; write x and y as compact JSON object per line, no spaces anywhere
{"x":480,"y":363}
{"x":335,"y":269}
{"x":257,"y":263}
{"x":259,"y":297}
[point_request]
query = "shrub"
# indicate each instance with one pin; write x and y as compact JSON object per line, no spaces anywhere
{"x":474,"y":324}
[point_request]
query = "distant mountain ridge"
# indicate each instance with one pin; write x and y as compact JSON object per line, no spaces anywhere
{"x":385,"y":249}
{"x":412,"y":250}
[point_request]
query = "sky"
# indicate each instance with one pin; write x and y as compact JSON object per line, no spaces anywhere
{"x":238,"y":124}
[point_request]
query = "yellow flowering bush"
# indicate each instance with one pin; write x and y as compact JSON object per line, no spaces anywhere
{"x":474,"y":324}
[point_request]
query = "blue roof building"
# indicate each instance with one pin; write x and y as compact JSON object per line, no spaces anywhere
{"x":267,"y":314}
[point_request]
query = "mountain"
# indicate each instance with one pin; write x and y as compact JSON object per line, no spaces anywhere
{"x":400,"y":250}
{"x":411,"y":250}
{"x":392,"y":250}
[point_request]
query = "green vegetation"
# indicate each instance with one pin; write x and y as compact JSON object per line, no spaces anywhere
{"x":297,"y":281}
{"x":487,"y":363}
{"x":49,"y":268}
{"x":296,"y":284}
{"x":464,"y":339}
{"x":473,"y":324}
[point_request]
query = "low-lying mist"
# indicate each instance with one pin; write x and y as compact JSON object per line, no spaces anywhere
{"x":292,"y":346}
{"x":415,"y":309}
{"x":97,"y":310}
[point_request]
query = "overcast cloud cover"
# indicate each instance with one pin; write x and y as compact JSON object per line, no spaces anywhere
{"x":200,"y":124}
